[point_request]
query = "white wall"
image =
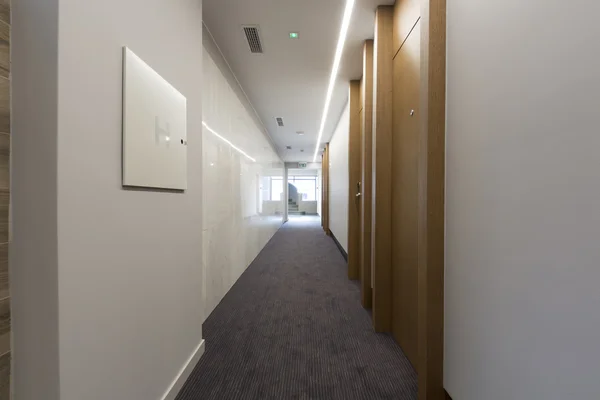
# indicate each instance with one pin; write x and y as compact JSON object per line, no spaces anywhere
{"x":338,"y":179}
{"x":273,"y":207}
{"x":124,"y":266}
{"x":522,"y":273}
{"x":235,"y":228}
{"x":313,"y":171}
{"x":33,"y":249}
{"x":309,"y":207}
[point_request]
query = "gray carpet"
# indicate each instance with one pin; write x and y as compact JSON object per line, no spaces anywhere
{"x":292,"y":327}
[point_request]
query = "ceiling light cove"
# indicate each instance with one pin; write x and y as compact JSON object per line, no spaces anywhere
{"x":334,"y":70}
{"x":242,"y":152}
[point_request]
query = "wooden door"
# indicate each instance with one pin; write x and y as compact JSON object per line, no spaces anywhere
{"x":405,"y":192}
{"x":354,"y":181}
{"x":366,"y":277}
{"x":381,"y":185}
{"x":325,"y":191}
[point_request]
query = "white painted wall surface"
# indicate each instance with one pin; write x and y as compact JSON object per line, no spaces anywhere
{"x":522,"y":316}
{"x":235,"y":228}
{"x":309,"y":207}
{"x":130,"y":281}
{"x":33,"y":264}
{"x":114,"y":280}
{"x":338,"y":179}
{"x":313,"y":171}
{"x":273,"y":207}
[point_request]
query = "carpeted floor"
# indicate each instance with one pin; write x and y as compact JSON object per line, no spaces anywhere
{"x":292,"y":327}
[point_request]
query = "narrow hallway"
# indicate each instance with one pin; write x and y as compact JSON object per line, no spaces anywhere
{"x":292,"y":327}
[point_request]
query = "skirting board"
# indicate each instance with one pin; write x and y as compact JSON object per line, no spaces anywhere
{"x":339,"y":246}
{"x":185,"y":372}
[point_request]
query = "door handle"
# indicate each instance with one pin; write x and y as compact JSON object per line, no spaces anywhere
{"x":358,"y":189}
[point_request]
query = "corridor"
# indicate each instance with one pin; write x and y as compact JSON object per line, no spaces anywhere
{"x":292,"y":327}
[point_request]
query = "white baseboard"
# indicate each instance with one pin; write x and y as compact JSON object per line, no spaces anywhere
{"x":185,"y":372}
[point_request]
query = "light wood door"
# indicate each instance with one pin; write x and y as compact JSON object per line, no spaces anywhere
{"x":405,"y":192}
{"x":366,"y":277}
{"x":354,"y":184}
{"x":325,"y":191}
{"x":381,"y":229}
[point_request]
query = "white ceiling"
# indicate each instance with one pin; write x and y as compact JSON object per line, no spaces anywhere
{"x":291,"y":77}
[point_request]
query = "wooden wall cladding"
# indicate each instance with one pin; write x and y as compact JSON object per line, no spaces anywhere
{"x":325,"y":185}
{"x":405,"y":195}
{"x":419,"y":39}
{"x":432,"y":146}
{"x":367,"y":175}
{"x":354,"y":176}
{"x":381,"y":252}
{"x":5,"y":317}
{"x":406,"y":14}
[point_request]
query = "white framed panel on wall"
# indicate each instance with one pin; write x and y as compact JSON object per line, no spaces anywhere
{"x":154,"y":128}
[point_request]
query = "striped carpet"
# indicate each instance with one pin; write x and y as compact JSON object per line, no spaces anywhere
{"x":292,"y":327}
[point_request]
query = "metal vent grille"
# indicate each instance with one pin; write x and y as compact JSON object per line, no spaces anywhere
{"x":279,"y":121}
{"x":253,"y":36}
{"x":288,"y":147}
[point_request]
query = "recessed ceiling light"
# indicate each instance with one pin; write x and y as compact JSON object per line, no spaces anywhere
{"x":294,"y":35}
{"x":300,"y":133}
{"x":334,"y":70}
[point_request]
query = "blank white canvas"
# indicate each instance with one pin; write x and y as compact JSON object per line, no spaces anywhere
{"x":154,"y":128}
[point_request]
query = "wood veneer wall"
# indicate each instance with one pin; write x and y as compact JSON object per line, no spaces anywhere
{"x":367,"y":175}
{"x":405,"y":190}
{"x":325,"y":190}
{"x":432,"y":177}
{"x":5,"y":317}
{"x":354,"y":177}
{"x":381,"y":252}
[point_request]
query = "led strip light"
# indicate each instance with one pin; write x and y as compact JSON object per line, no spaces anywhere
{"x":334,"y":71}
{"x":242,"y":152}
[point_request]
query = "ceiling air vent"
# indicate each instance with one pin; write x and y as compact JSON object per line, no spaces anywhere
{"x":288,"y":147}
{"x":279,"y":121}
{"x":253,"y":36}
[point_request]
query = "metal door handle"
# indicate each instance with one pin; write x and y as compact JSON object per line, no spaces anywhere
{"x":357,"y":194}
{"x":357,"y":189}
